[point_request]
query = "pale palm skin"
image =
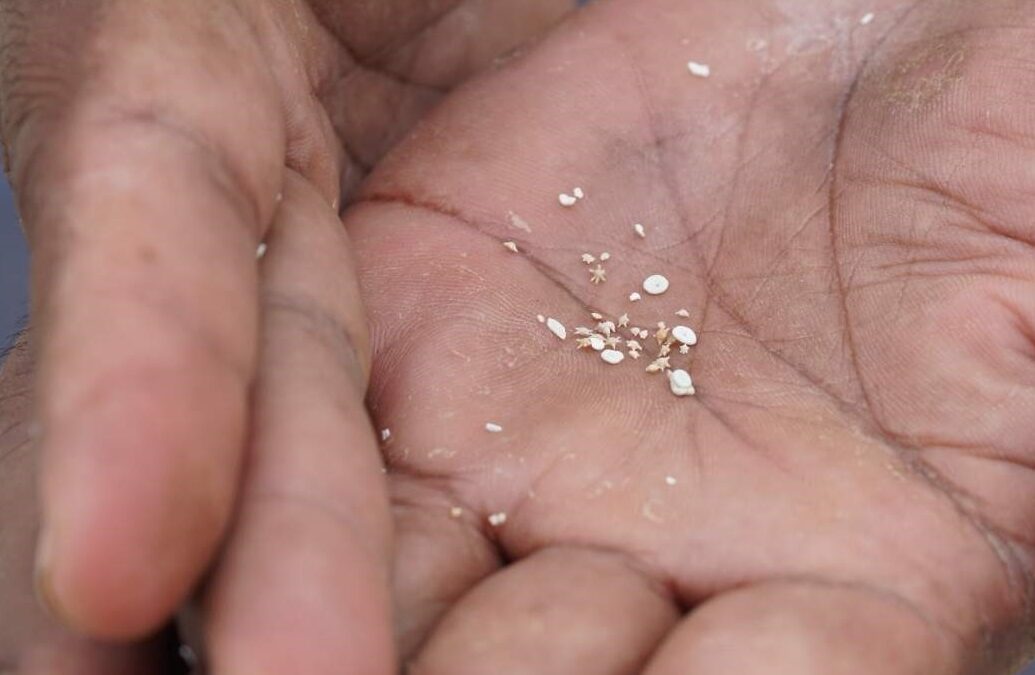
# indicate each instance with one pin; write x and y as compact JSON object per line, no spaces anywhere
{"x":844,"y":211}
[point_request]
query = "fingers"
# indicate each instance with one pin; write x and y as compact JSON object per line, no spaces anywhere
{"x":145,"y":191}
{"x":440,"y":553}
{"x":806,"y":629}
{"x":30,"y":642}
{"x":303,"y":585}
{"x":557,"y":611}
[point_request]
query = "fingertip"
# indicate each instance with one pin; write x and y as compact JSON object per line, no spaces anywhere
{"x":137,"y":492}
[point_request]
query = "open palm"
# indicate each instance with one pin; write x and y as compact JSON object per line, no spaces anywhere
{"x":844,"y":209}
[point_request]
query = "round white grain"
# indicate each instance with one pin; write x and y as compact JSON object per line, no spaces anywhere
{"x":655,"y":284}
{"x":685,"y":334}
{"x":680,"y":383}
{"x":557,"y":328}
{"x":612,"y":356}
{"x":493,"y":428}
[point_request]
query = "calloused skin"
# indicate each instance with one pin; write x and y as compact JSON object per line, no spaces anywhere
{"x":844,"y":210}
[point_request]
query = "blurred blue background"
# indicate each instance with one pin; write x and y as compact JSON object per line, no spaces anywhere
{"x":14,"y":268}
{"x":14,"y":271}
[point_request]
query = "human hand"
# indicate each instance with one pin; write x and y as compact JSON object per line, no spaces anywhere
{"x":844,"y":209}
{"x":149,"y":144}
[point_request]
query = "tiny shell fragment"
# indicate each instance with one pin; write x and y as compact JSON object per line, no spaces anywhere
{"x":493,"y":428}
{"x":386,"y":434}
{"x":680,"y":383}
{"x":510,"y":246}
{"x":683,"y":313}
{"x":557,"y":328}
{"x":640,"y":232}
{"x":497,"y":519}
{"x":566,"y":199}
{"x":456,"y":512}
{"x":578,"y":193}
{"x":634,"y":297}
{"x":655,"y":284}
{"x":867,"y":18}
{"x":596,"y":342}
{"x":612,"y":356}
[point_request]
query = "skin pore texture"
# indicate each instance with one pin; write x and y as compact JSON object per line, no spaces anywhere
{"x":844,"y":209}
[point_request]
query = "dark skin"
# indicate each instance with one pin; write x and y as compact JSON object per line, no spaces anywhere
{"x":844,"y":211}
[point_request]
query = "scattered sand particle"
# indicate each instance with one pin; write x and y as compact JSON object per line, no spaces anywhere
{"x":605,"y":256}
{"x":640,"y":232}
{"x":386,"y":433}
{"x":578,"y":193}
{"x":518,"y":222}
{"x":680,"y":383}
{"x":612,"y":356}
{"x":655,"y":284}
{"x":598,"y":275}
{"x":684,"y":349}
{"x":867,"y":18}
{"x":634,"y":297}
{"x":566,"y":200}
{"x":623,"y":321}
{"x":510,"y":246}
{"x":699,"y":69}
{"x":557,"y":328}
{"x":497,"y":519}
{"x":597,"y":315}
{"x":493,"y":428}
{"x":540,"y":318}
{"x":441,"y":452}
{"x":588,"y":258}
{"x":670,"y":480}
{"x":456,"y":512}
{"x":685,"y":334}
{"x":683,"y":313}
{"x":597,"y":343}
{"x":260,"y":251}
{"x":649,"y":512}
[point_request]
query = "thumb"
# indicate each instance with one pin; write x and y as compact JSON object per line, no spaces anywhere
{"x":147,"y":152}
